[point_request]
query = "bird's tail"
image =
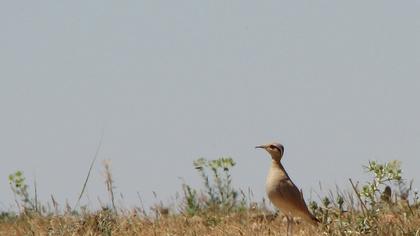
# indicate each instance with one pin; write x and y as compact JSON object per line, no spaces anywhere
{"x":309,"y":217}
{"x":313,"y":220}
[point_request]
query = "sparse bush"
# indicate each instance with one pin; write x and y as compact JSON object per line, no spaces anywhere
{"x":7,"y":217}
{"x":379,"y":212}
{"x":192,"y":205}
{"x":388,"y":173}
{"x":20,"y":189}
{"x":383,"y":174}
{"x":219,"y":193}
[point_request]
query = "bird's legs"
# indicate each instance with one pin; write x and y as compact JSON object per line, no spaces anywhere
{"x":289,"y":225}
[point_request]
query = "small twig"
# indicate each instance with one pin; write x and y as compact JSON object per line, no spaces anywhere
{"x":36,"y":196}
{"x":364,"y":208}
{"x":109,"y":183}
{"x":409,"y":207}
{"x":142,"y":205}
{"x":16,"y":200}
{"x":55,"y":204}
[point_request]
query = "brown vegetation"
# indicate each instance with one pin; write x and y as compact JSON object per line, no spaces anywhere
{"x":218,"y":209}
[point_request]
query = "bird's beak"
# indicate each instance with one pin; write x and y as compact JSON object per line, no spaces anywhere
{"x":260,"y":146}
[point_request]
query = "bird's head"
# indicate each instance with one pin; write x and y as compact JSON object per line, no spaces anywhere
{"x":276,"y":150}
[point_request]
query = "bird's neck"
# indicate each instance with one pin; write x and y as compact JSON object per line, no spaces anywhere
{"x":276,"y":164}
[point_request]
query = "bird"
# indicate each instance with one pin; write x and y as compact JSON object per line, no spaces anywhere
{"x":281,"y":190}
{"x":386,"y":194}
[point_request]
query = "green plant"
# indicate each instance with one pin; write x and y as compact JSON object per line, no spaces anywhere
{"x":340,"y":215}
{"x":105,"y":221}
{"x":219,"y":193}
{"x":20,"y":190}
{"x":7,"y":217}
{"x":191,"y":205}
{"x":387,"y":173}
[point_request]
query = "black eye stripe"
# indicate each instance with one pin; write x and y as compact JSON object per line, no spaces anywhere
{"x":280,"y":149}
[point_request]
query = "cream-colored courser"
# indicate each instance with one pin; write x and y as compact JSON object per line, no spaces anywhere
{"x":282,"y":192}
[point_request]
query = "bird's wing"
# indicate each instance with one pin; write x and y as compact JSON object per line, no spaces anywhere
{"x":294,"y":198}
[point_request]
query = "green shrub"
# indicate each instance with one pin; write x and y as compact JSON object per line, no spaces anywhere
{"x":218,"y":193}
{"x":20,"y":190}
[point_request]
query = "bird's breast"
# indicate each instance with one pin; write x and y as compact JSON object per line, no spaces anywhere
{"x":275,"y":179}
{"x":278,"y":187}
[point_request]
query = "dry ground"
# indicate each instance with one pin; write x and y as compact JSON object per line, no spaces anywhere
{"x":243,"y":223}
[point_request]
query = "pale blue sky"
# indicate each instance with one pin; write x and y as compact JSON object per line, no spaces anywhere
{"x":171,"y":81}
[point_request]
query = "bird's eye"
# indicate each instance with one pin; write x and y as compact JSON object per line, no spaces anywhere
{"x":272,"y":147}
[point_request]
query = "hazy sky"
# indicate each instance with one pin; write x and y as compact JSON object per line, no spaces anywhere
{"x":337,"y":82}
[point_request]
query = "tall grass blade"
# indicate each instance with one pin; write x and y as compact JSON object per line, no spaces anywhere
{"x":90,"y":169}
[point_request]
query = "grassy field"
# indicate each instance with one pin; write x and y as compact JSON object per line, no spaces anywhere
{"x":386,"y":205}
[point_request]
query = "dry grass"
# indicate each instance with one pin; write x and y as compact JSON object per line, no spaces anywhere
{"x":249,"y":222}
{"x":102,"y":223}
{"x":220,"y":209}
